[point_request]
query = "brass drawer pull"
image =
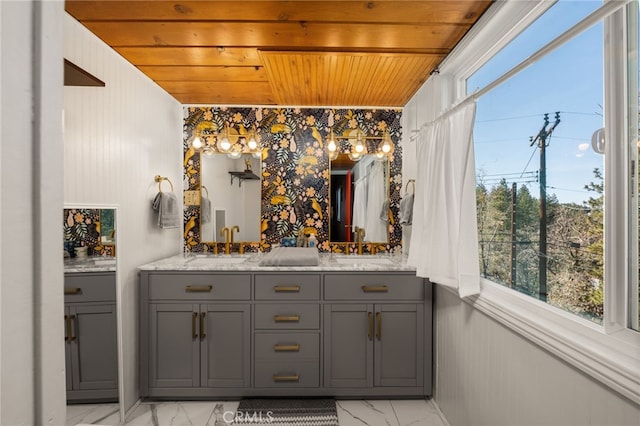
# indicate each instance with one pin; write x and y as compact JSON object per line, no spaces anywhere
{"x":72,"y":290}
{"x":286,"y":289}
{"x":194,"y":333}
{"x":203,"y":334}
{"x":286,"y":318}
{"x":286,"y":378}
{"x":198,"y":288}
{"x":378,"y":325}
{"x":370,"y":334}
{"x":286,"y":348}
{"x":375,"y":288}
{"x":72,"y":320}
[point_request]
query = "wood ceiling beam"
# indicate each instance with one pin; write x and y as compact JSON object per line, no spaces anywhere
{"x":408,"y":12}
{"x":322,"y":35}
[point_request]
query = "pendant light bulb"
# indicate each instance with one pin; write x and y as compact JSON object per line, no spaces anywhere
{"x":355,"y":156}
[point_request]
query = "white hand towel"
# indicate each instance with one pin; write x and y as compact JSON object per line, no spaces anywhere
{"x":406,"y":210}
{"x":166,"y":204}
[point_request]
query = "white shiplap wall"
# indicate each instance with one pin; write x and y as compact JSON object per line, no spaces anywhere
{"x":117,"y":138}
{"x":488,"y":375}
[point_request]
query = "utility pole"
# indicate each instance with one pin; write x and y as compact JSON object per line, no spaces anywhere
{"x":541,"y":138}
{"x":514,"y":201}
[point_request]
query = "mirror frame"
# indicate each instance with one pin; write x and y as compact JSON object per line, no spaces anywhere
{"x":119,"y":281}
{"x":257,"y":172}
{"x":387,"y":163}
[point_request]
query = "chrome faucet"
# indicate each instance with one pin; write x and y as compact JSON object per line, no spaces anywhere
{"x":226,"y":233}
{"x":359,"y":237}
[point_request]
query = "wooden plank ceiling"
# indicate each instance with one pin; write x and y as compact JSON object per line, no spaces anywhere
{"x":303,"y":53}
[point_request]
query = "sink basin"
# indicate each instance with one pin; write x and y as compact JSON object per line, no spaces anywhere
{"x":369,"y":260}
{"x":217,"y":260}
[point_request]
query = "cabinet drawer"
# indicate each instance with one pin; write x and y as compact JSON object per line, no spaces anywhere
{"x":287,"y":287}
{"x":290,"y":346}
{"x":287,"y":315}
{"x":90,"y":287}
{"x":200,"y":286}
{"x":287,"y":374}
{"x":373,"y":287}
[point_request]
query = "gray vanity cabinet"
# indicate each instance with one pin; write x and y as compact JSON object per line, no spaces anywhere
{"x":196,"y":334}
{"x":284,"y":333}
{"x":375,"y":345}
{"x":90,"y":337}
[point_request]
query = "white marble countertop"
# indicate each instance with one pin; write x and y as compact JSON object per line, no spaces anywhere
{"x":250,"y":263}
{"x":89,"y":264}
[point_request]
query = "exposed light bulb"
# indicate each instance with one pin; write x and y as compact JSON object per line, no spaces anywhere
{"x":208,"y":151}
{"x":332,"y":146}
{"x":355,"y":156}
{"x":386,"y":146}
{"x":359,"y":146}
{"x":196,"y":143}
{"x":252,"y":144}
{"x":224,"y":144}
{"x":235,"y":155}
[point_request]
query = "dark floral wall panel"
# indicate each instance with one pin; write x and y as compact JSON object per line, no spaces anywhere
{"x":295,"y":165}
{"x":83,"y":228}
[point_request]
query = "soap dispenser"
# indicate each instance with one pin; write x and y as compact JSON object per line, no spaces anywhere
{"x":312,"y":241}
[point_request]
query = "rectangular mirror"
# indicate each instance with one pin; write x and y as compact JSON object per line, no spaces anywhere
{"x":359,"y":196}
{"x":230,"y":196}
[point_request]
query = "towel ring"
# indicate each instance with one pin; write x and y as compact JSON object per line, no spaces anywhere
{"x":206,"y":190}
{"x":159,"y":179}
{"x":413,"y":185}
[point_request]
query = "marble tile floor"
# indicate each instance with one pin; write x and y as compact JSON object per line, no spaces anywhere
{"x":350,"y":413}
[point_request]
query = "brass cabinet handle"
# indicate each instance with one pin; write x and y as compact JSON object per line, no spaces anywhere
{"x":286,"y":318}
{"x":286,"y":348}
{"x":198,"y":288}
{"x":67,"y":328}
{"x":370,"y":335}
{"x":72,"y":290}
{"x":194,"y":333}
{"x":72,"y":320}
{"x":378,"y":325}
{"x":203,"y":334}
{"x":286,"y":289}
{"x":286,"y":378}
{"x":375,"y":288}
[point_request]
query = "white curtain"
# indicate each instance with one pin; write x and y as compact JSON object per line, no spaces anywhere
{"x":444,"y":242}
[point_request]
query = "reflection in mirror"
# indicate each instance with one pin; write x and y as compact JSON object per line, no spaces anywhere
{"x":230,"y":197}
{"x":359,"y":198}
{"x":90,"y":326}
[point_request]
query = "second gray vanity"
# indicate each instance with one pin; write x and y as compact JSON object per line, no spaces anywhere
{"x":212,"y":327}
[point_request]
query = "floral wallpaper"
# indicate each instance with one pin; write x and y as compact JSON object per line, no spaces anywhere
{"x":82,"y":228}
{"x":295,"y":167}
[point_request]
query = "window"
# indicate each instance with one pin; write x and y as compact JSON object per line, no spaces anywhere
{"x":533,"y":142}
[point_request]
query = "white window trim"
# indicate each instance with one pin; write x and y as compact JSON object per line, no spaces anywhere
{"x":609,"y":353}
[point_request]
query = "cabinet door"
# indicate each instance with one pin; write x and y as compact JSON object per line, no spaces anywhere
{"x":398,"y":352}
{"x":225,"y":355}
{"x":348,"y":350}
{"x":174,"y":345}
{"x":93,"y":347}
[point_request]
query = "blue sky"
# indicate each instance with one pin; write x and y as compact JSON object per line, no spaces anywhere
{"x":568,"y":80}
